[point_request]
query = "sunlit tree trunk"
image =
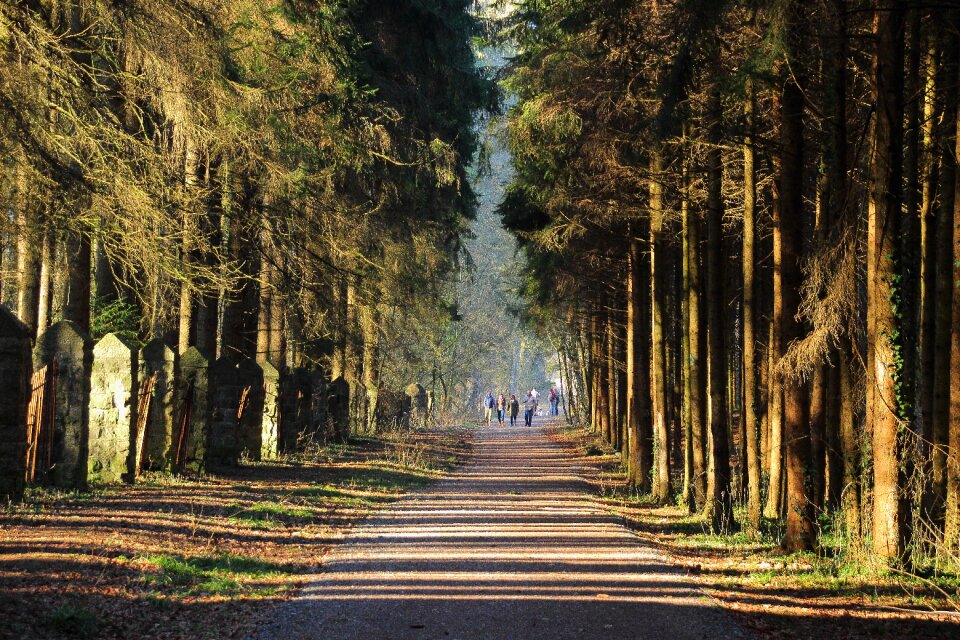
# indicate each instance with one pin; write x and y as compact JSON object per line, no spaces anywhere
{"x":634,"y":327}
{"x":692,"y":432}
{"x":266,"y":279}
{"x":47,"y":256}
{"x":610,"y":368}
{"x":370,"y":325}
{"x":930,"y":168}
{"x":952,"y":522}
{"x":658,"y":366}
{"x":695,"y":363}
{"x":943,"y":319}
{"x":883,"y":321}
{"x":773,"y":506}
{"x":189,"y":231}
{"x":749,"y":413}
{"x":28,"y":256}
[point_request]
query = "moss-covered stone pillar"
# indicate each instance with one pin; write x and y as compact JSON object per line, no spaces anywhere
{"x":112,"y":409}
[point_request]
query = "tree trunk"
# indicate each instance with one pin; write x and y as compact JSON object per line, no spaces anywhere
{"x":930,"y":167}
{"x":278,"y":329}
{"x":799,"y":534}
{"x":635,"y":475}
{"x":28,"y":258}
{"x":698,"y":479}
{"x":943,"y":319}
{"x":265,"y":307}
{"x":76,"y":305}
{"x":690,"y":479}
{"x":370,"y":322}
{"x":850,"y":442}
{"x":47,"y":256}
{"x":773,"y":506}
{"x":658,"y":369}
{"x":719,"y":506}
{"x":749,"y":413}
{"x":189,"y":230}
{"x":952,"y":522}
{"x":610,"y":431}
{"x":883,"y":297}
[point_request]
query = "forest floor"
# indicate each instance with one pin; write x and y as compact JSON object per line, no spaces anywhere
{"x":198,"y":557}
{"x":774,"y":595}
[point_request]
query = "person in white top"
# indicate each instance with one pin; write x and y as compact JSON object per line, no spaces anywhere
{"x":529,"y":406}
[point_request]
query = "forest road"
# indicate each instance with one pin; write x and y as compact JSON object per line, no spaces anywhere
{"x":511,"y":546}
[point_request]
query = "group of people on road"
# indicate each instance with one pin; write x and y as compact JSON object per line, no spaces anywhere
{"x":504,"y":406}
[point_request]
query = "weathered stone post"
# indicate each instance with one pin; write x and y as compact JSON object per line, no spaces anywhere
{"x":223,"y":444}
{"x":270,"y":419}
{"x":250,"y":380}
{"x":112,"y":409}
{"x":319,"y":382}
{"x":66,"y":342}
{"x":192,"y":415}
{"x":156,"y":358}
{"x":417,"y":403}
{"x":15,"y":372}
{"x":338,"y":409}
{"x":296,"y":402}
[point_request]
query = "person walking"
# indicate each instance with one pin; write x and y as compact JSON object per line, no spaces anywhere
{"x":554,"y":401}
{"x":514,"y":409}
{"x":488,"y":404}
{"x":501,"y":408}
{"x":529,"y":406}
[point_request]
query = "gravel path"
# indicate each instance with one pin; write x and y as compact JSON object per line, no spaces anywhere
{"x":512,"y":546}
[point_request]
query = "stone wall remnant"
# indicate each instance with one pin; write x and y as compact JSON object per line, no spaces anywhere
{"x":296,"y":409}
{"x":270,"y":420}
{"x":157,"y":358}
{"x":250,"y":418}
{"x":416,"y":404}
{"x":192,"y":411}
{"x":66,"y":342}
{"x":112,"y":409}
{"x":223,"y":445}
{"x":338,"y":410}
{"x":15,"y":373}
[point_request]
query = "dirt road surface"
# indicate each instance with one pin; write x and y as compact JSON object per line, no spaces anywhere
{"x":511,"y":547}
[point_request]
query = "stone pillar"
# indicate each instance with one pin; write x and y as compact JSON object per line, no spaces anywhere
{"x":296,"y":408}
{"x":270,"y":420}
{"x":192,"y":416}
{"x":113,"y":409}
{"x":67,"y":342}
{"x":223,"y":446}
{"x":158,"y":358}
{"x":417,"y":404}
{"x":15,"y":372}
{"x":250,"y":377}
{"x":319,"y":382}
{"x":338,"y":409}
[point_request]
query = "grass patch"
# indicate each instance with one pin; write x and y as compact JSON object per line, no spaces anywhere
{"x":334,"y":495}
{"x":219,"y":575}
{"x":271,"y":511}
